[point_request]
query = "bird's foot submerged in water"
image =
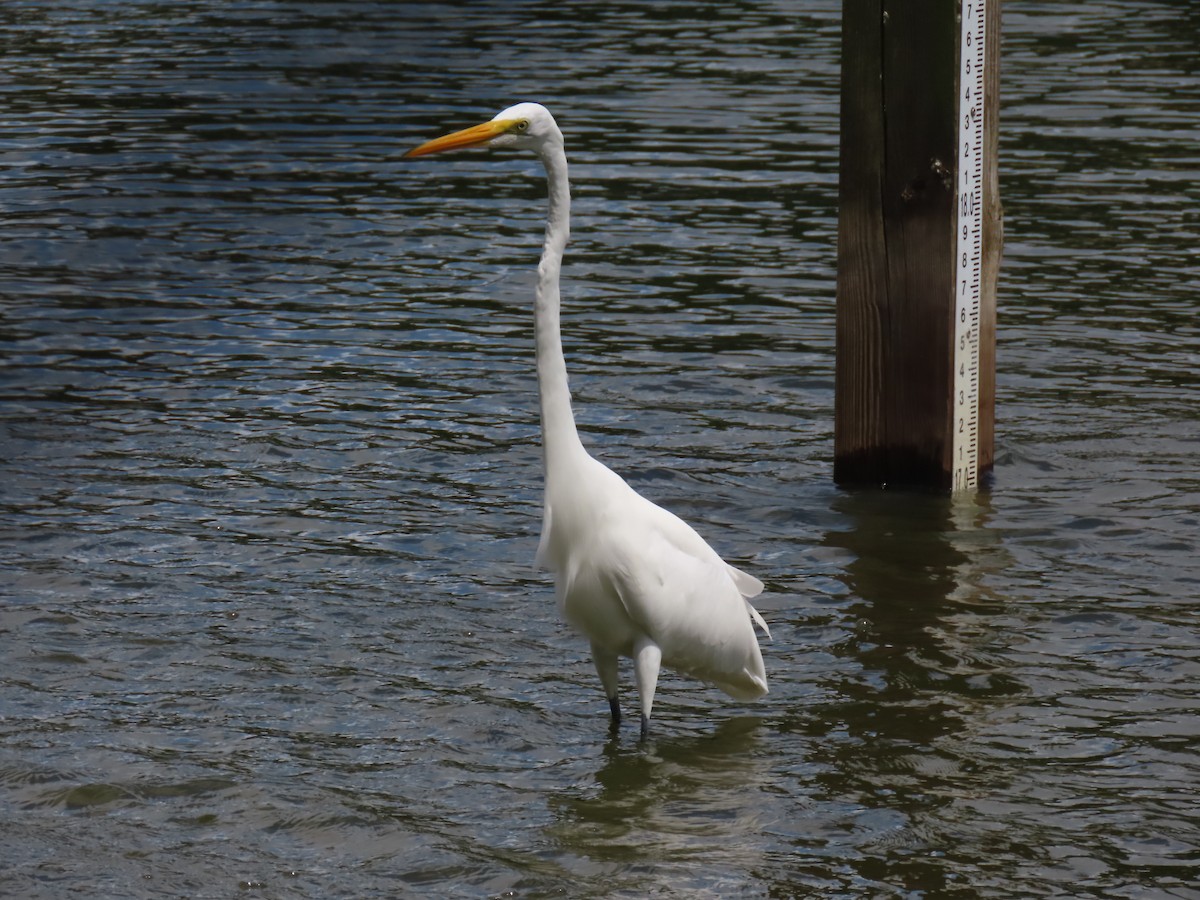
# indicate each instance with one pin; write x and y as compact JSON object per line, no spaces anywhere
{"x":614,"y":725}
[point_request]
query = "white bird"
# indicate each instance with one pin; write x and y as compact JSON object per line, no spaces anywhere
{"x":634,"y":579}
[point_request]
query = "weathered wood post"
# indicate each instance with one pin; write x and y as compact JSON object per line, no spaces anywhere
{"x":915,"y":381}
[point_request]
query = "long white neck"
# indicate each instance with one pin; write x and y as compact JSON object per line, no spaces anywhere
{"x":560,"y":441}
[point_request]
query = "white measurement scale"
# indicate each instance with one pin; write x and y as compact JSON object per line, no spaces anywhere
{"x":969,"y":257}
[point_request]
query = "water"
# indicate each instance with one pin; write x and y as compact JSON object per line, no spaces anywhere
{"x":271,"y":483}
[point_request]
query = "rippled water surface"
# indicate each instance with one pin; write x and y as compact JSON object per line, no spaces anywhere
{"x":270,"y":478}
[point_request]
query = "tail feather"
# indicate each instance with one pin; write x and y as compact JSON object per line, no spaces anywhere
{"x":750,"y":687}
{"x":758,"y":620}
{"x":747,"y":585}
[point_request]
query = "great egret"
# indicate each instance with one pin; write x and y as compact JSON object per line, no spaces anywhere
{"x":634,"y":579}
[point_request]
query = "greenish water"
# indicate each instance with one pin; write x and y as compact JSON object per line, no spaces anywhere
{"x":270,"y":480}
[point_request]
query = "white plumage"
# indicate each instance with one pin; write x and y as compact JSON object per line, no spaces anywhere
{"x":634,"y":579}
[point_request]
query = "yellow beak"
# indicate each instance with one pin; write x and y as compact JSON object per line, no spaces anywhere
{"x":468,"y":137}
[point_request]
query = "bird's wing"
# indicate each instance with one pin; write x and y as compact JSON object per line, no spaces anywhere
{"x":660,"y":585}
{"x":680,"y":535}
{"x":688,"y":603}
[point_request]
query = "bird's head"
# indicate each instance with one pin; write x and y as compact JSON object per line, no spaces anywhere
{"x":526,"y":126}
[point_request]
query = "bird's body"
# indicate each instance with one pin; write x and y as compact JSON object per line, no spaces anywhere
{"x":629,"y":572}
{"x":631,"y":577}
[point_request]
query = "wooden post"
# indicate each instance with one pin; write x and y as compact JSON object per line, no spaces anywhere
{"x":897,"y":228}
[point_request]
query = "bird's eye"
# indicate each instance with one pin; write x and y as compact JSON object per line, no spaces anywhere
{"x":522,"y":125}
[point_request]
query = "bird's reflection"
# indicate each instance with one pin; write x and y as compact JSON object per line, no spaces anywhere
{"x":668,"y":794}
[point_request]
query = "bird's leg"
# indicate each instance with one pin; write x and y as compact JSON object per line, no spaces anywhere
{"x":646,"y":659}
{"x":606,"y":668}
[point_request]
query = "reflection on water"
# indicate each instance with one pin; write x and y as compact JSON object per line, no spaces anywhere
{"x":903,"y":572}
{"x":271,"y":481}
{"x":686,"y":801}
